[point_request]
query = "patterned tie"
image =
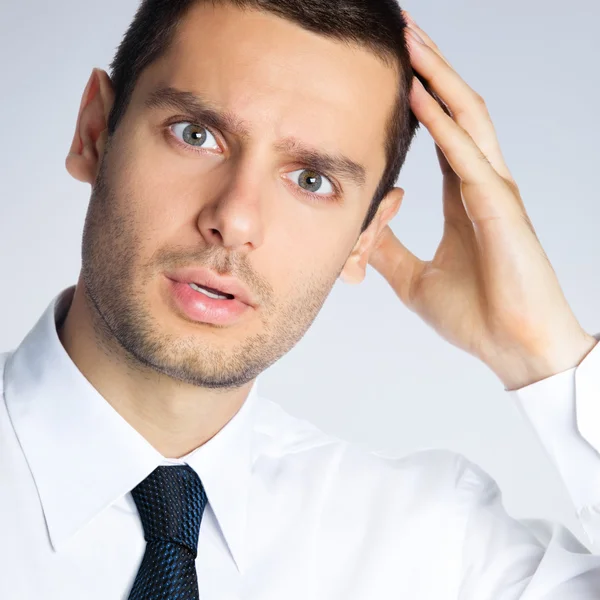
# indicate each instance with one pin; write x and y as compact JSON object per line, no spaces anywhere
{"x":170,"y":501}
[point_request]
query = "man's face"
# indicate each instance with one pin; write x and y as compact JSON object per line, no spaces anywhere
{"x":172,"y":193}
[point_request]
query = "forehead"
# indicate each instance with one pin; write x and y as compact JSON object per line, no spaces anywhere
{"x":283,"y":81}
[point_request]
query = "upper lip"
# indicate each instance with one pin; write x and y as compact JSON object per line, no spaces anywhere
{"x":207,"y":278}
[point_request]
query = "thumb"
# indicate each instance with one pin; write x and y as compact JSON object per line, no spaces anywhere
{"x":398,"y":265}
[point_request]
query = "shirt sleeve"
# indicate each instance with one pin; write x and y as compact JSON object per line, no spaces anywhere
{"x":564,"y":411}
{"x":508,"y":559}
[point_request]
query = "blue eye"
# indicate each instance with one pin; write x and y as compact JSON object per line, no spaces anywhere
{"x":313,"y":182}
{"x":192,"y":134}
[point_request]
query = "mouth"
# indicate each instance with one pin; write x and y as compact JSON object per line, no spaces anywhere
{"x":205,"y":304}
{"x":209,"y":284}
{"x":210,"y":292}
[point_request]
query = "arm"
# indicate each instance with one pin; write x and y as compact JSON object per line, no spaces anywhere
{"x":534,"y":559}
{"x":491,"y":291}
{"x":564,"y":412}
{"x":509,"y":559}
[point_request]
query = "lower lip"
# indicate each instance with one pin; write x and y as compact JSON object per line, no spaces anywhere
{"x":199,"y":307}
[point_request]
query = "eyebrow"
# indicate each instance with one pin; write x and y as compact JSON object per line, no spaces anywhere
{"x":204,"y":113}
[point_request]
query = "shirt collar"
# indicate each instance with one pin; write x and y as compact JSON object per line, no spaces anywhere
{"x":84,"y":456}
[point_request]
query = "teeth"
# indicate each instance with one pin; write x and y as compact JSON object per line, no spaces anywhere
{"x":207,"y":293}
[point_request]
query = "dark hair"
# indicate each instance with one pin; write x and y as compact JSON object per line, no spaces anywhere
{"x":377,"y":25}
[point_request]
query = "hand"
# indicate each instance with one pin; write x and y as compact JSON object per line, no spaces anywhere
{"x":490,"y":288}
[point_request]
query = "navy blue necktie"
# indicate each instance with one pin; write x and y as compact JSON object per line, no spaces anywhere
{"x":170,"y":501}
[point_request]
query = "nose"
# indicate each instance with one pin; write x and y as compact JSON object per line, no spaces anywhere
{"x":233,"y":218}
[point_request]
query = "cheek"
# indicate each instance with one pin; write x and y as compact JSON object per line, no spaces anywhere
{"x":303,"y":259}
{"x":153,"y":195}
{"x":326,"y":248}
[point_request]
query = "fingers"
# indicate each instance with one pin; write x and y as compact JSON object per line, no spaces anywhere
{"x":466,"y":106}
{"x":424,"y":36}
{"x":398,"y":265}
{"x":495,"y":198}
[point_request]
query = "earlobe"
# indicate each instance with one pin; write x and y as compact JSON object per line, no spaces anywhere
{"x":90,"y":135}
{"x":354,"y":273}
{"x":356,"y":265}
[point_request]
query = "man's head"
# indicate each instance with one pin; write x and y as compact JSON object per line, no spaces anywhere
{"x":260,"y":139}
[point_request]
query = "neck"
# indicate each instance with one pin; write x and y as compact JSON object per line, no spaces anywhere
{"x":175,"y":417}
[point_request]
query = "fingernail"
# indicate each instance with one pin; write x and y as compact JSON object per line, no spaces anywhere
{"x":417,"y":83}
{"x":408,"y":17}
{"x":415,"y":35}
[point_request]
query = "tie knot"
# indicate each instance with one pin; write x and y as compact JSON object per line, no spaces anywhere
{"x":171,"y":501}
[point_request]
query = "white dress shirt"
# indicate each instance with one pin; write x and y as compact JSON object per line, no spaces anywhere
{"x":293,"y":513}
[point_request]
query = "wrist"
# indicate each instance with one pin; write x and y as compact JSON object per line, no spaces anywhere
{"x":519,"y":372}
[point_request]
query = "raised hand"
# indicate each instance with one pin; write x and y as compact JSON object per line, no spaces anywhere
{"x":490,"y":288}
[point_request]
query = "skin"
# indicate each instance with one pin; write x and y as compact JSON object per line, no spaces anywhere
{"x":232,"y":206}
{"x":490,"y":288}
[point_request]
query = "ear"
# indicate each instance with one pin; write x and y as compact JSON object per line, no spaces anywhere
{"x":354,"y":270}
{"x":91,"y":133}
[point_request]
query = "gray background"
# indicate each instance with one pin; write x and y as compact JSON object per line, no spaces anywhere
{"x":368,"y":370}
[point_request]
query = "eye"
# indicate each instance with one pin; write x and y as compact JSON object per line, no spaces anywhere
{"x":192,"y":134}
{"x":311,"y":182}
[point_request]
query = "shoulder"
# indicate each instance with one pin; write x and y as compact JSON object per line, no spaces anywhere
{"x":435,"y":473}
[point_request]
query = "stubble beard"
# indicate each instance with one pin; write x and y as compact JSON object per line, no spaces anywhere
{"x":116,"y":285}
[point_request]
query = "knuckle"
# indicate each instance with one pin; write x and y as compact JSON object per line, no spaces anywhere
{"x":479,"y":99}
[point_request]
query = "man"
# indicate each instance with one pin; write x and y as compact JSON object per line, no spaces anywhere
{"x":233,"y":156}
